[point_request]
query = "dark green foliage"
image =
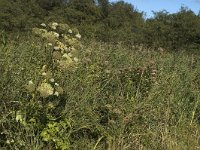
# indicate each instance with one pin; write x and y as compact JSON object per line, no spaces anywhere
{"x":84,"y":10}
{"x":108,"y":22}
{"x":49,"y":4}
{"x":174,"y":31}
{"x":104,"y":7}
{"x":19,"y":14}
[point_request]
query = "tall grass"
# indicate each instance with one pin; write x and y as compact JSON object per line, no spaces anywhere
{"x":118,"y":98}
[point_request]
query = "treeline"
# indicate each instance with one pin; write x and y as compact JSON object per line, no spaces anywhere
{"x":105,"y":21}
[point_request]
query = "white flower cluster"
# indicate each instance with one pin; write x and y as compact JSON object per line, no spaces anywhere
{"x":53,"y":25}
{"x":64,"y":41}
{"x":47,"y":86}
{"x":45,"y":90}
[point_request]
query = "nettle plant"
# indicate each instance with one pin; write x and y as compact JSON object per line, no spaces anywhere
{"x":46,"y":92}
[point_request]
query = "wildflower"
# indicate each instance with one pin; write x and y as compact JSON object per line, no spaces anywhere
{"x":30,"y":82}
{"x":70,"y":54}
{"x":43,"y":25}
{"x":66,"y":49}
{"x":53,"y":27}
{"x":60,"y":45}
{"x":78,"y":36}
{"x":44,"y":68}
{"x":75,"y":59}
{"x":31,"y":86}
{"x":44,"y":74}
{"x":65,"y":63}
{"x":70,"y":42}
{"x":50,"y":36}
{"x":56,"y":84}
{"x":65,"y":55}
{"x":56,"y":34}
{"x":153,"y":73}
{"x":54,"y":24}
{"x":50,"y":44}
{"x":51,"y":105}
{"x":70,"y":31}
{"x":42,"y":31}
{"x":69,"y":60}
{"x":7,"y":141}
{"x":38,"y":31}
{"x":56,"y":93}
{"x":19,"y":117}
{"x":45,"y":90}
{"x":53,"y":34}
{"x":12,"y":141}
{"x":52,"y":80}
{"x":73,"y":42}
{"x":56,"y":48}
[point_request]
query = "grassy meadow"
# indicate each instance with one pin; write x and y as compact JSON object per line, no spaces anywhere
{"x":118,"y":97}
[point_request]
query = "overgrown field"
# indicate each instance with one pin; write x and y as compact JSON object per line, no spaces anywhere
{"x":116,"y":98}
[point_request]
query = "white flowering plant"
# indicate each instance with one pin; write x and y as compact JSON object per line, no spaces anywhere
{"x":47,"y":90}
{"x":62,"y":42}
{"x":62,"y":45}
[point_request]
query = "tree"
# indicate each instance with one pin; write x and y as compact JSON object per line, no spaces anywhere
{"x":20,"y":14}
{"x":49,"y":4}
{"x":104,"y":7}
{"x":173,"y":31}
{"x":82,"y":11}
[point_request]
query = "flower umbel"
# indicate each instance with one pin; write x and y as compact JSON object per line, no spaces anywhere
{"x":45,"y":90}
{"x":30,"y":86}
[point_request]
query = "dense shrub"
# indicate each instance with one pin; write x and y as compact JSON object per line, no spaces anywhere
{"x":108,"y":22}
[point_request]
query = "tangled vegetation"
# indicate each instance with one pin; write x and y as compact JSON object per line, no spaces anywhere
{"x":59,"y":94}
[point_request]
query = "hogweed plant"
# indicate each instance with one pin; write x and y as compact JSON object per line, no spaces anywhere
{"x":64,"y":42}
{"x":61,"y":47}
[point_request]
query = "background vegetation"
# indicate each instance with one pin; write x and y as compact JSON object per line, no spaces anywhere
{"x":104,"y":21}
{"x":136,"y":85}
